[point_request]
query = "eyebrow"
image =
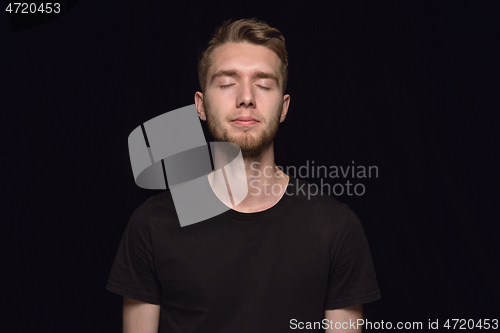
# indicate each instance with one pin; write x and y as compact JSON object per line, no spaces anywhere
{"x":233,"y":73}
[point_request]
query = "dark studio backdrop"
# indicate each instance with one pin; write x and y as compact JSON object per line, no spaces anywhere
{"x":410,"y":87}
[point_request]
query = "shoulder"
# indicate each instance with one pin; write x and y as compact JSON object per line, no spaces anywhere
{"x":157,"y":208}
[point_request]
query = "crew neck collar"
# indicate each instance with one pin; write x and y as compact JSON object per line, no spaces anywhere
{"x":278,"y":206}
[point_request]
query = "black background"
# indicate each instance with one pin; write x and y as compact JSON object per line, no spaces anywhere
{"x":411,"y":87}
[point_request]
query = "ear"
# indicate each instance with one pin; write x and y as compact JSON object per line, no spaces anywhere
{"x":284,"y":109}
{"x":200,"y":106}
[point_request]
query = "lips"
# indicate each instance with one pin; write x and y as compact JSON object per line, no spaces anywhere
{"x":244,"y":121}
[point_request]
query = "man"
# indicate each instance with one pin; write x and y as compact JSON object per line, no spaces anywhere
{"x":274,"y":262}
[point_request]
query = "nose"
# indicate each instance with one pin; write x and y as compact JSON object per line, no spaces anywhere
{"x":246,"y":97}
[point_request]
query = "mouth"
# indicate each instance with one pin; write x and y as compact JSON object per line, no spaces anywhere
{"x":244,"y":121}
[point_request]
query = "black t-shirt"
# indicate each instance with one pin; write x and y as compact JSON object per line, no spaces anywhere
{"x":245,"y":272}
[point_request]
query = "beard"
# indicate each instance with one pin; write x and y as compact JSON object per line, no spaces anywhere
{"x":252,"y":144}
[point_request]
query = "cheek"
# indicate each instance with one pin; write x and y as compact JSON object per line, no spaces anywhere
{"x":215,"y":107}
{"x":270,"y":101}
{"x":221,"y":98}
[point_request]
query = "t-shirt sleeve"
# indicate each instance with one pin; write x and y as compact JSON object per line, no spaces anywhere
{"x":133,"y":273}
{"x":352,"y":277}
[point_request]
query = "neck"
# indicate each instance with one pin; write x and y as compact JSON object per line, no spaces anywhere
{"x":254,"y":184}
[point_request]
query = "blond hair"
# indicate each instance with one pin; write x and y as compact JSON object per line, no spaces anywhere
{"x":251,"y":31}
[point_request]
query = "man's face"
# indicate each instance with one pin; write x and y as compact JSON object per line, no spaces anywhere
{"x":243,"y":101}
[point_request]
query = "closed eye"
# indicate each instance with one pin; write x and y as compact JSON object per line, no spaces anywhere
{"x":232,"y":84}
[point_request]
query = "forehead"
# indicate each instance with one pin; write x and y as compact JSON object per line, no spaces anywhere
{"x":244,"y":57}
